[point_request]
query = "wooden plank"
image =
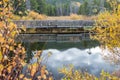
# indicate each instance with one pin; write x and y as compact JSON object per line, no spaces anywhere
{"x":53,"y":23}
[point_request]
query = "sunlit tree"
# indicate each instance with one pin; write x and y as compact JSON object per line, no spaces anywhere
{"x":108,"y":31}
{"x":71,"y":74}
{"x":12,"y":54}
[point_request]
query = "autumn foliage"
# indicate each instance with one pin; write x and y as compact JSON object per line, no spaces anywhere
{"x":12,"y":54}
{"x":108,"y":31}
{"x":71,"y":74}
{"x":30,"y":16}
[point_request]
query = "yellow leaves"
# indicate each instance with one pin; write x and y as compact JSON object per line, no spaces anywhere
{"x":23,"y":28}
{"x":11,"y":41}
{"x":12,"y":26}
{"x":13,"y":34}
{"x":1,"y":24}
{"x":23,"y":63}
{"x":23,"y":50}
{"x":9,"y":69}
{"x":50,"y":78}
{"x":19,"y":46}
{"x":1,"y":68}
{"x":108,"y":30}
{"x":1,"y":38}
{"x":12,"y":54}
{"x":11,"y":48}
{"x":21,"y":76}
{"x":1,"y":56}
{"x":105,"y":75}
{"x":118,"y":9}
{"x":5,"y":0}
{"x":78,"y":75}
{"x":0,"y":2}
{"x":33,"y":68}
{"x":27,"y":78}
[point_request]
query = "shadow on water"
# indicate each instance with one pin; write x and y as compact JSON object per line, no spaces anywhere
{"x":32,"y":46}
{"x":61,"y":45}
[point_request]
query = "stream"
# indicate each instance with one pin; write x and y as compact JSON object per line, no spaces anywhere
{"x":85,"y":57}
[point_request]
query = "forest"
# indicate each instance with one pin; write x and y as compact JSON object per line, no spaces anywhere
{"x":62,"y":7}
{"x":23,"y":60}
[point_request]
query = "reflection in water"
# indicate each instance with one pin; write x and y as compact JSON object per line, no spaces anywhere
{"x":81,"y":59}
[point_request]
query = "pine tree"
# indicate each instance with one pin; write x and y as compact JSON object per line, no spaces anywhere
{"x":19,"y":7}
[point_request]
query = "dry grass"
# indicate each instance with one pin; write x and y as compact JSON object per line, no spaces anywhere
{"x":76,"y":17}
{"x":58,"y":18}
{"x":36,"y":16}
{"x":31,"y":16}
{"x":72,"y":17}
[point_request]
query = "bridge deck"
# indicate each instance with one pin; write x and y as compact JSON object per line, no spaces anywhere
{"x":55,"y":30}
{"x":54,"y":23}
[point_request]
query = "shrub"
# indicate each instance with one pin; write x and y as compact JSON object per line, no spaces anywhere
{"x":76,"y":17}
{"x":12,"y":55}
{"x":71,"y":74}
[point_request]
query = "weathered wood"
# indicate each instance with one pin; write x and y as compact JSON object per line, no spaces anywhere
{"x":54,"y":23}
{"x":53,"y":37}
{"x":55,"y":30}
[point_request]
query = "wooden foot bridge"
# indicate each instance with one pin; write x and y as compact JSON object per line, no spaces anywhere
{"x":55,"y":30}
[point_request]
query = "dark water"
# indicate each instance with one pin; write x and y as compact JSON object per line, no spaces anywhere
{"x":85,"y":56}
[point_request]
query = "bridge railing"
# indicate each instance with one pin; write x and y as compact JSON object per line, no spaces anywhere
{"x":53,"y":23}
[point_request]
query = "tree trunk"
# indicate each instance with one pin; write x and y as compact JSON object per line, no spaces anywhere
{"x":28,"y":6}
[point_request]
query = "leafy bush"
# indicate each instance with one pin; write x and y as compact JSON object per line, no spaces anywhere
{"x":30,"y":16}
{"x":12,"y":55}
{"x":107,"y":29}
{"x":76,"y":17}
{"x":71,"y":74}
{"x":36,"y":16}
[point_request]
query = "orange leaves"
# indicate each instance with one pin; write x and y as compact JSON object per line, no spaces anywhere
{"x":12,"y":55}
{"x":20,"y":49}
{"x":11,"y":48}
{"x":34,"y":69}
{"x":21,"y":76}
{"x":40,"y":70}
{"x":12,"y":26}
{"x":11,"y":41}
{"x":9,"y":69}
{"x":1,"y":38}
{"x":1,"y":24}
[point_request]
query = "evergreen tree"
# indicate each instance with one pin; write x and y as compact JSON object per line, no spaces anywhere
{"x":84,"y":8}
{"x":51,"y":10}
{"x":34,"y":5}
{"x":42,"y":6}
{"x":19,"y":7}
